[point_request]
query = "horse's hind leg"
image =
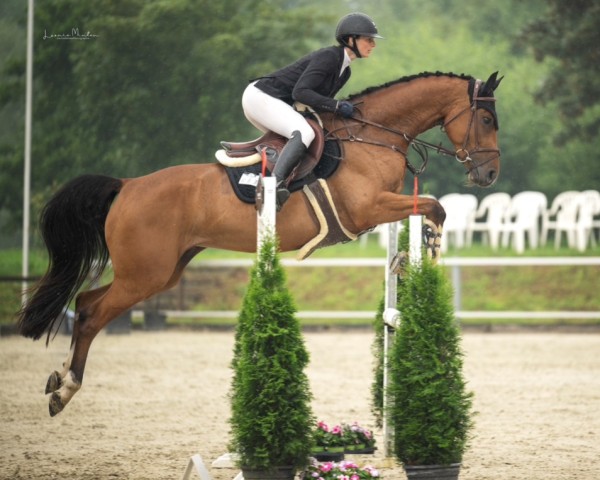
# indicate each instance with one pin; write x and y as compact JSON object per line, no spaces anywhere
{"x":102,"y":306}
{"x":95,"y":309}
{"x":55,"y":380}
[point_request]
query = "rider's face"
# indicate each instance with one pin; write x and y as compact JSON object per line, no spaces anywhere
{"x":365,"y":45}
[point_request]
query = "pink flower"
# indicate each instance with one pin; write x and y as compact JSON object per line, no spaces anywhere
{"x":337,"y":430}
{"x":323,"y":426}
{"x":371,"y":471}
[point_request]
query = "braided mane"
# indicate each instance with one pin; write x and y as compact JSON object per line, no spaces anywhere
{"x":408,"y":79}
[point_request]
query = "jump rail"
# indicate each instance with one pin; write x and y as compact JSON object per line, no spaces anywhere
{"x":455,"y":263}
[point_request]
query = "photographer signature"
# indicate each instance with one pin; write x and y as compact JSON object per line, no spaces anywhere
{"x":74,"y":35}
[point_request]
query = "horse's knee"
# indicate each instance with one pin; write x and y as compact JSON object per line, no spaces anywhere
{"x":438,"y":214}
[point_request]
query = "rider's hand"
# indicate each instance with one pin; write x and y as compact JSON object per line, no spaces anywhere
{"x":345,"y":109}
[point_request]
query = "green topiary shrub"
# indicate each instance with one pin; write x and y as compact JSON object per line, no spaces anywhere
{"x":430,"y":408}
{"x":271,"y":418}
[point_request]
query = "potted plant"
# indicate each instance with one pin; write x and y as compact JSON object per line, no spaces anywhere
{"x":430,"y":407}
{"x":342,"y":470}
{"x":357,"y":439}
{"x":270,"y":396}
{"x":329,"y":443}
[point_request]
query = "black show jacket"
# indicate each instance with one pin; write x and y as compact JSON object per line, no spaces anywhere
{"x":313,"y":80}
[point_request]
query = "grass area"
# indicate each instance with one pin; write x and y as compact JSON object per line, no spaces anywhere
{"x":335,"y":288}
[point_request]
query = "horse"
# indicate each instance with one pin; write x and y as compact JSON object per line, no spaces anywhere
{"x":151,"y":226}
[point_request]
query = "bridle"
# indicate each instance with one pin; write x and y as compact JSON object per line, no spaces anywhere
{"x":462,"y":155}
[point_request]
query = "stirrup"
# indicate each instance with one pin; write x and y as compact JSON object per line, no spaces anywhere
{"x":281,"y":196}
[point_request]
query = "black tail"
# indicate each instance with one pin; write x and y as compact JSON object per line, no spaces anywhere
{"x":72,"y":226}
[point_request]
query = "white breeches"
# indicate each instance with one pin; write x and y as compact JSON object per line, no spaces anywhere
{"x":269,"y":113}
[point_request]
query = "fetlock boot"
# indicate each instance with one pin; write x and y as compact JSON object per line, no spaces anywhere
{"x":287,"y":161}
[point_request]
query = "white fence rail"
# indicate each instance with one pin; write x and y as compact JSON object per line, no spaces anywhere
{"x":455,"y":263}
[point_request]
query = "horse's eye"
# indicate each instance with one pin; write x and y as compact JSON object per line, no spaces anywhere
{"x":487,"y":120}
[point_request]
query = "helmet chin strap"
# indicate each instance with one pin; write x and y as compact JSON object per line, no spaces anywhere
{"x":354,"y":46}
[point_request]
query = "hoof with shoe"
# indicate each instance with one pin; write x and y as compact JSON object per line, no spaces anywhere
{"x":54,"y":382}
{"x":55,"y":406}
{"x":398,"y":263}
{"x":432,"y":239}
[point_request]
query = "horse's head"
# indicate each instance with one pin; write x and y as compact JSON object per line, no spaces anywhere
{"x":472,"y":128}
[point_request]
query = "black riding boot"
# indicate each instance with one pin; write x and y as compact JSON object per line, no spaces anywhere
{"x":289,"y":158}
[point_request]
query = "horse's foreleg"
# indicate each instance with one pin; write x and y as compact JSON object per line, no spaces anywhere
{"x":432,"y":238}
{"x":391,"y":207}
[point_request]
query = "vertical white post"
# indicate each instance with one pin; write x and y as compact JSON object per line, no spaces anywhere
{"x":268,"y":211}
{"x":415,"y":229}
{"x":391,"y":315}
{"x":27,"y":167}
{"x":390,"y":301}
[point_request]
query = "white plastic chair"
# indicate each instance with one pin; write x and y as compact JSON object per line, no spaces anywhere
{"x":523,"y":217}
{"x":588,"y":208}
{"x":561,"y":217}
{"x":566,"y":221}
{"x":460,"y":209}
{"x":492,"y":210}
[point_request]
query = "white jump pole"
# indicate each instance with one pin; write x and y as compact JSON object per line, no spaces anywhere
{"x":267,"y":211}
{"x":415,"y":229}
{"x":391,"y":315}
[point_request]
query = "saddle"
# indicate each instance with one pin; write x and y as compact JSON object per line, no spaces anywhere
{"x":248,"y":153}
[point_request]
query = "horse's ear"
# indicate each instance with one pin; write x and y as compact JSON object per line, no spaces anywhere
{"x":493,"y":82}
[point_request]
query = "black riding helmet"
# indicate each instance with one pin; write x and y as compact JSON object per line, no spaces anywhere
{"x":355,"y":25}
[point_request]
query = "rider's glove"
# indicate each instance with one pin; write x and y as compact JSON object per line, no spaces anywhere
{"x":345,"y":109}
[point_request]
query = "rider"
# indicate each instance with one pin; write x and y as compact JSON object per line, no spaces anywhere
{"x":312,"y":80}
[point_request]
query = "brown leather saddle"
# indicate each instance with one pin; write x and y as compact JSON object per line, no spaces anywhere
{"x":273,"y":143}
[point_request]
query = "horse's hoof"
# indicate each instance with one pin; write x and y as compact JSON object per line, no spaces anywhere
{"x":432,"y":239}
{"x":54,"y":382}
{"x":55,"y":405}
{"x":399,"y":263}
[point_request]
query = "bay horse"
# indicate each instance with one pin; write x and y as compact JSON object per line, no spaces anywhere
{"x":150,"y":227}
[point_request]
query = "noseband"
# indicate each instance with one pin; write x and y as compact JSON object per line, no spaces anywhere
{"x":462,"y":155}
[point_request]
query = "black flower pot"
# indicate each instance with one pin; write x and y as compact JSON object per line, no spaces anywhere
{"x":432,"y":472}
{"x":330,"y":454}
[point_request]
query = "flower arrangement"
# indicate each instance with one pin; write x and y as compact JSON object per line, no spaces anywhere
{"x":327,"y":438}
{"x":339,"y":471}
{"x":356,"y":436}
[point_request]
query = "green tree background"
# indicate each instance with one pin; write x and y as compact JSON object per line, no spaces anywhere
{"x":161,"y":83}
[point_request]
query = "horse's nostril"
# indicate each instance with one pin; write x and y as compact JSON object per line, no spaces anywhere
{"x":492,"y":175}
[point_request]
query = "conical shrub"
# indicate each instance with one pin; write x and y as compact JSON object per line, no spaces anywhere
{"x":271,"y":417}
{"x":430,"y":409}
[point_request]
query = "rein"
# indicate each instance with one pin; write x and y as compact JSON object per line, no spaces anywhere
{"x":422,"y":147}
